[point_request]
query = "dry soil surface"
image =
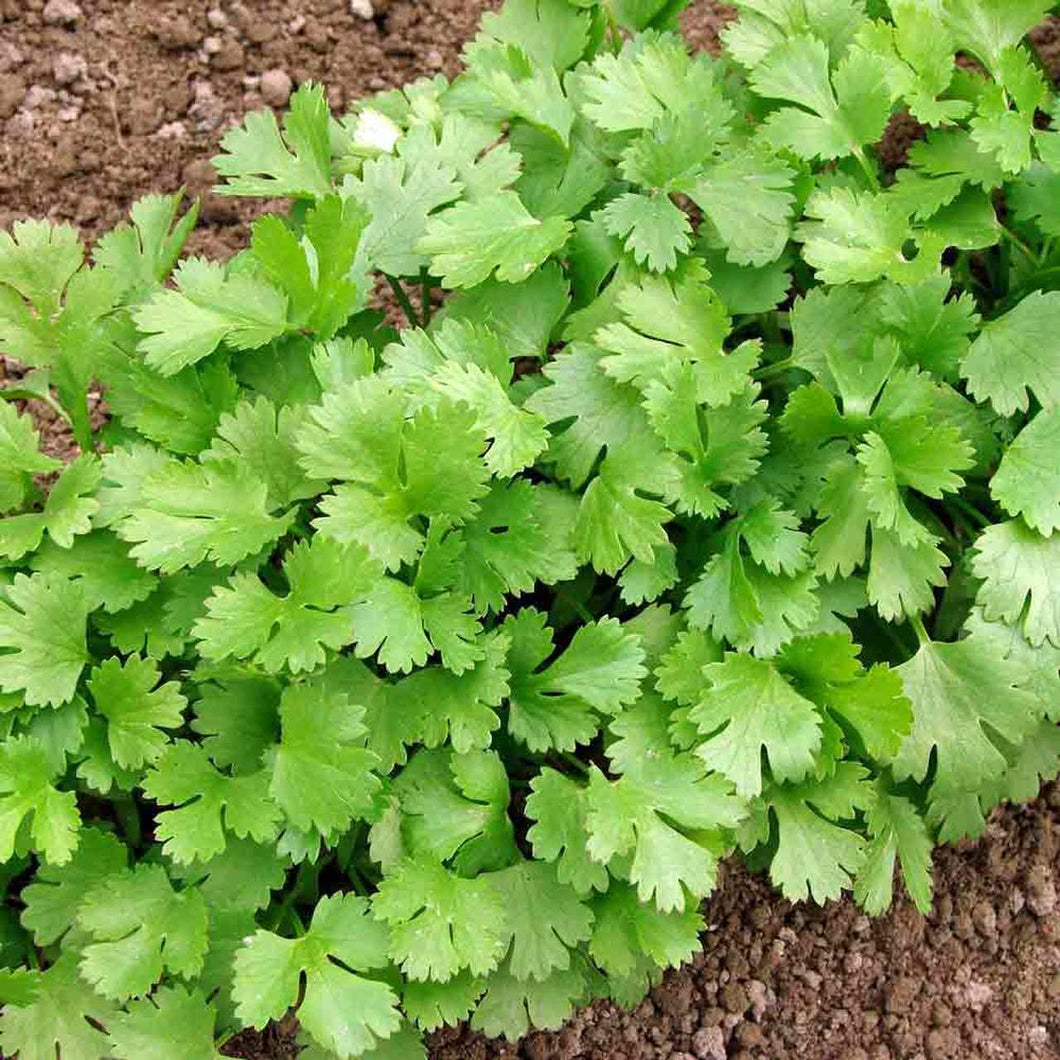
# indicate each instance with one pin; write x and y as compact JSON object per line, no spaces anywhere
{"x":104,"y":100}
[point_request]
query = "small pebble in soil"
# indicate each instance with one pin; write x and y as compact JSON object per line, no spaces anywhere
{"x":68,"y":68}
{"x":362,"y":9}
{"x":275,"y":87}
{"x":61,"y":13}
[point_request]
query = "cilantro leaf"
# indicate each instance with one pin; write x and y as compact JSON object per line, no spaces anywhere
{"x":750,"y":710}
{"x":1026,"y":481}
{"x":557,"y":806}
{"x":1013,"y":355}
{"x":440,"y":923}
{"x":67,"y":512}
{"x":556,"y":707}
{"x":960,"y":696}
{"x":186,"y":324}
{"x":136,"y":707}
{"x":258,"y":161}
{"x":173,"y":1023}
{"x":28,"y":790}
{"x":100,"y":563}
{"x":632,"y":816}
{"x":42,"y":624}
{"x":896,"y":830}
{"x":56,"y":893}
{"x":816,"y":857}
{"x":62,"y":1018}
{"x":244,"y":619}
{"x":511,"y":1006}
{"x":185,"y":513}
{"x":341,"y":1010}
{"x":321,"y":772}
{"x":140,"y":925}
{"x":543,"y":917}
{"x":469,"y":241}
{"x":1019,"y":571}
{"x":19,"y":456}
{"x":183,"y":776}
{"x":835,"y":114}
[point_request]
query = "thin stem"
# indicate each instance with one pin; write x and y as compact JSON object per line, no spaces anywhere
{"x":403,"y":300}
{"x":1017,"y":242}
{"x":768,"y":371}
{"x":425,"y":288}
{"x":575,"y":761}
{"x":971,"y":511}
{"x":918,"y":626}
{"x":870,"y":175}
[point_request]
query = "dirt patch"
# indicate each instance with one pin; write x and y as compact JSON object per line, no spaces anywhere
{"x":102,"y":101}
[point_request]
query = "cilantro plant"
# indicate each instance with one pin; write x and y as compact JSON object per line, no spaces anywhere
{"x":405,"y":677}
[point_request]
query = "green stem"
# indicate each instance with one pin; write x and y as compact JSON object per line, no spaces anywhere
{"x":425,"y":288}
{"x":971,"y":511}
{"x":1018,"y":243}
{"x":768,"y":371}
{"x":918,"y":626}
{"x":870,"y":175}
{"x":577,"y":606}
{"x":575,"y":761}
{"x":403,"y":300}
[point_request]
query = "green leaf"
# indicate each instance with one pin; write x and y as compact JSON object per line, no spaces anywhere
{"x":836,"y":114}
{"x":101,"y":565}
{"x":56,"y":1022}
{"x":750,"y":711}
{"x":19,"y":456}
{"x":173,"y":1024}
{"x":1021,"y":579}
{"x":440,"y":923}
{"x":654,"y":229}
{"x":258,"y":161}
{"x":470,"y":241}
{"x":986,"y":29}
{"x":817,"y":857}
{"x":857,"y":236}
{"x":557,"y":707}
{"x":1013,"y":354}
{"x":961,"y":695}
{"x":400,"y":194}
{"x":544,"y":918}
{"x":341,"y":1010}
{"x":261,"y":438}
{"x":1027,"y":482}
{"x":244,"y":619}
{"x":56,"y":893}
{"x":67,"y":512}
{"x":321,"y":772}
{"x":184,"y":777}
{"x":28,"y":790}
{"x":430,"y":1004}
{"x":896,"y":830}
{"x":512,"y":1006}
{"x":186,"y":324}
{"x":42,"y":624}
{"x":139,"y":926}
{"x":647,"y":814}
{"x":557,"y":805}
{"x":186,"y":513}
{"x":136,"y":707}
{"x":392,"y":469}
{"x":747,"y":197}
{"x":552,"y":32}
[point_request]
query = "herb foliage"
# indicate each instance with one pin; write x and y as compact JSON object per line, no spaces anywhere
{"x":408,"y":677}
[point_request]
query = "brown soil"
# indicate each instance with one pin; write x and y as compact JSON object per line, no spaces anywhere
{"x":104,"y":100}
